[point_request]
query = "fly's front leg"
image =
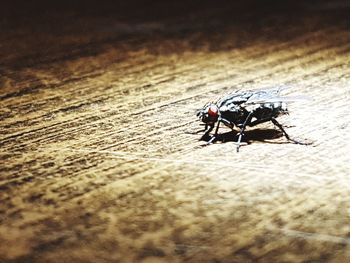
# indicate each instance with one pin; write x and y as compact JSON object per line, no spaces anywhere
{"x":208,"y":129}
{"x":215,"y":134}
{"x":274,"y":121}
{"x":203,"y":130}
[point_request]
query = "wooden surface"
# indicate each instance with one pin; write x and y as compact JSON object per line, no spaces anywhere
{"x":98,"y":159}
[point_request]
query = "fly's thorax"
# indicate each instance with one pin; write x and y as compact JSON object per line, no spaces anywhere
{"x":230,"y":107}
{"x":232,"y":114}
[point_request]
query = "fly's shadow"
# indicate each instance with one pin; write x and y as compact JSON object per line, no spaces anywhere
{"x":261,"y":135}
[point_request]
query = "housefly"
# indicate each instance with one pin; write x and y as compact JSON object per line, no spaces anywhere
{"x":246,"y":108}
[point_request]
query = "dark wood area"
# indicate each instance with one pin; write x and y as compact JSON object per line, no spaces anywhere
{"x":99,"y":161}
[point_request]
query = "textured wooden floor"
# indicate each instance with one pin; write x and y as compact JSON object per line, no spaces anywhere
{"x":98,"y":159}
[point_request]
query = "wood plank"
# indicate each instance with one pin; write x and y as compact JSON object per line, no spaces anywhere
{"x":98,"y":158}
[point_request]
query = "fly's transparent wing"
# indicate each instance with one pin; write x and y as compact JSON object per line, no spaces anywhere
{"x":236,"y":98}
{"x":248,"y":97}
{"x":243,"y":95}
{"x":272,"y":90}
{"x":267,"y":93}
{"x":273,"y":99}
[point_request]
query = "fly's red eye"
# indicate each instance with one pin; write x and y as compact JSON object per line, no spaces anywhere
{"x":213,"y":111}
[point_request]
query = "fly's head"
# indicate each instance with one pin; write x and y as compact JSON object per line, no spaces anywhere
{"x":209,"y":114}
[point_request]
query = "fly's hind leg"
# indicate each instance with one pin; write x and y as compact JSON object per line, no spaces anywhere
{"x":275,"y":122}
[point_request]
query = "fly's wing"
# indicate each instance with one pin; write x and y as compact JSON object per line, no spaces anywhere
{"x":265,"y":94}
{"x":272,"y":90}
{"x":239,"y":97}
{"x":273,"y":99}
{"x":272,"y":95}
{"x":234,"y":99}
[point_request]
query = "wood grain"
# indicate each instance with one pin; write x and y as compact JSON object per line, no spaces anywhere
{"x":98,"y":158}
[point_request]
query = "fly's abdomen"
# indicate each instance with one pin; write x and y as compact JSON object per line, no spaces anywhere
{"x":270,"y":110}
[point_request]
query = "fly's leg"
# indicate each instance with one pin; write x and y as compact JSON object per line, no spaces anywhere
{"x":274,"y":121}
{"x":212,"y":139}
{"x":203,"y":130}
{"x":208,"y":129}
{"x":248,"y":119}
